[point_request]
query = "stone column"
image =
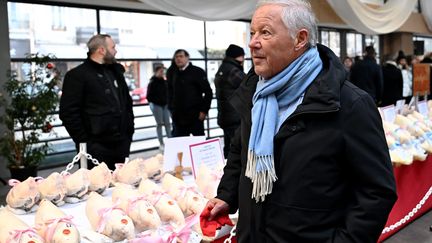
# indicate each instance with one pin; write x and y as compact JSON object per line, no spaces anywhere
{"x":394,"y":42}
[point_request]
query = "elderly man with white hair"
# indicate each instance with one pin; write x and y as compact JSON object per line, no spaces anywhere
{"x":310,"y":161}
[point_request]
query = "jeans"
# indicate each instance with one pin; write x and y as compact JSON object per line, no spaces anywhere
{"x":162,"y":117}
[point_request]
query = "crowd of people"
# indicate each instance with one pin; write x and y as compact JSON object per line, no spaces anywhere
{"x":386,"y":83}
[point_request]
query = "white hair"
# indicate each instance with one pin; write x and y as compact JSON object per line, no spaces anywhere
{"x":296,"y":15}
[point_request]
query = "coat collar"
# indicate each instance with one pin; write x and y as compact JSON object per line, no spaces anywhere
{"x":323,"y":95}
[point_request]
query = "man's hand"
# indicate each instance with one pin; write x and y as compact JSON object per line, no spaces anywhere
{"x":217,"y":206}
{"x":202,"y":116}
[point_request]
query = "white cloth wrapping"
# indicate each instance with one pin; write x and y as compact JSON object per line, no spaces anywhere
{"x":426,"y":7}
{"x":206,"y":9}
{"x":371,"y":20}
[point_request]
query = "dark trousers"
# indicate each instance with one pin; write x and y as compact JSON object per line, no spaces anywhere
{"x":109,"y":152}
{"x":228,"y":135}
{"x":196,"y":129}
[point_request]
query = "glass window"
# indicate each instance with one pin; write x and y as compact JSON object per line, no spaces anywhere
{"x":220,"y":34}
{"x":62,"y":31}
{"x":331,"y":39}
{"x":373,"y":40}
{"x":354,"y":44}
{"x":139,"y":35}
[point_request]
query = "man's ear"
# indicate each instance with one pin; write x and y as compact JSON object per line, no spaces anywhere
{"x":101,"y":50}
{"x":301,"y":40}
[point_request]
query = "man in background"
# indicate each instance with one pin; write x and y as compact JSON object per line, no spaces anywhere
{"x":367,"y":75}
{"x":95,"y":106}
{"x":227,"y":80}
{"x":189,"y":96}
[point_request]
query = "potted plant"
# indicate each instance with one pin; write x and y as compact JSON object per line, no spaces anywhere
{"x":29,"y":104}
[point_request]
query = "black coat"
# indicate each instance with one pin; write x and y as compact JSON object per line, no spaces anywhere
{"x":335,"y":179}
{"x":227,"y":80}
{"x":157,"y":91}
{"x":189,"y":93}
{"x":92,"y":108}
{"x":393,"y":84}
{"x":367,"y":75}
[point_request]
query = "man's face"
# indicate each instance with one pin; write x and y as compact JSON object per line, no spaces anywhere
{"x":271,"y":45}
{"x":110,"y":51}
{"x":181,"y":59}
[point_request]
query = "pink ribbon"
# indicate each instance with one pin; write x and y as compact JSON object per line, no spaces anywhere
{"x":52,"y":225}
{"x":15,"y":236}
{"x":184,"y":190}
{"x":157,"y":196}
{"x":132,"y":202}
{"x":184,"y":233}
{"x":147,"y":237}
{"x":13,"y":182}
{"x":104,"y":214}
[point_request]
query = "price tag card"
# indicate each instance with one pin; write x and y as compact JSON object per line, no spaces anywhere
{"x":209,"y":153}
{"x":389,"y":113}
{"x":423,"y":108}
{"x":399,"y":106}
{"x":176,"y":145}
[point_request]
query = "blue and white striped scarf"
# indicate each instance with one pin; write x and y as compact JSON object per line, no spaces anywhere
{"x":275,"y":93}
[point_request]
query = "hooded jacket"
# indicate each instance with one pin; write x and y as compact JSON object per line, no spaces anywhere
{"x":227,"y":80}
{"x":335,"y":179}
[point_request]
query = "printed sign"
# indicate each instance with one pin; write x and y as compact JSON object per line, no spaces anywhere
{"x":176,"y":145}
{"x":421,"y":79}
{"x":209,"y":153}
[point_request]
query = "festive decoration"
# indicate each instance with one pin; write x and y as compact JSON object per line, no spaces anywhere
{"x":29,"y":103}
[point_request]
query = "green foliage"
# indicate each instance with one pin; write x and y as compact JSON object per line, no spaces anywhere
{"x":29,"y":104}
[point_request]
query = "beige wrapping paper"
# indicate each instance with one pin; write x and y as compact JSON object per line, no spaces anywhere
{"x":100,"y":178}
{"x":53,"y":188}
{"x":166,"y":206}
{"x":188,"y":197}
{"x":14,"y":230}
{"x":77,"y":185}
{"x":54,"y":225}
{"x":108,"y":219}
{"x":23,"y":196}
{"x":137,"y":207}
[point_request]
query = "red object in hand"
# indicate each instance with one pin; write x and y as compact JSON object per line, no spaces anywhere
{"x":209,"y":228}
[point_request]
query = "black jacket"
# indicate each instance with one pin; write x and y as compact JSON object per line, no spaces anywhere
{"x":157,"y":91}
{"x":92,"y":108}
{"x":393,"y":84}
{"x":189,"y":93}
{"x":367,"y":75}
{"x":335,"y":179}
{"x":227,"y":80}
